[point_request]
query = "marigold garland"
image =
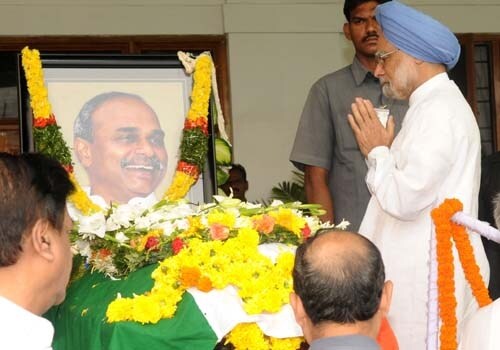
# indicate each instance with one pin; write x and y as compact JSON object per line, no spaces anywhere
{"x":446,"y":230}
{"x":263,"y":286}
{"x":248,"y":336}
{"x":194,"y":143}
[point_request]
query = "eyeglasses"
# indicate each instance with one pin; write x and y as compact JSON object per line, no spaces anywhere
{"x":381,"y":56}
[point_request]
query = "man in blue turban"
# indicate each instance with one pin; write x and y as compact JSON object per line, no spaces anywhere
{"x":436,"y":155}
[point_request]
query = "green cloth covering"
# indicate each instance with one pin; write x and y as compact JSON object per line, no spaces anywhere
{"x":80,"y":322}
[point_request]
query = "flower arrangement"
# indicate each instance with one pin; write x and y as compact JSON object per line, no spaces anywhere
{"x":446,"y":230}
{"x":208,"y":247}
{"x":129,"y":236}
{"x":249,"y":336}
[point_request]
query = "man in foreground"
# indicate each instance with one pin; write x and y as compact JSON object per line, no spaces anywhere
{"x":325,"y":147}
{"x":35,"y":255}
{"x":119,"y":141}
{"x":341,"y":296}
{"x":435,"y":156}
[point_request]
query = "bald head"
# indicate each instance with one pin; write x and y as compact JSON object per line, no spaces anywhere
{"x":339,"y":277}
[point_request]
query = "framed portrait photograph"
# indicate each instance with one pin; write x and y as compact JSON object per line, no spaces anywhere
{"x":122,"y":117}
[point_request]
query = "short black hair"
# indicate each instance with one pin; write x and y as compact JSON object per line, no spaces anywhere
{"x":344,"y":289}
{"x":241,"y":169}
{"x":82,"y":126}
{"x":33,"y":187}
{"x":350,"y":5}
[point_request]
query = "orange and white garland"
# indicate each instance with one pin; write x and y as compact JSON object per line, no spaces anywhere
{"x":446,"y":230}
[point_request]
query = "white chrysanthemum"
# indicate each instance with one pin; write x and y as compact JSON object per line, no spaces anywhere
{"x":121,"y":237}
{"x":94,"y":224}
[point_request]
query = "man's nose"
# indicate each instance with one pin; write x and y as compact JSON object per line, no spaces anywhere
{"x":379,"y":70}
{"x":144,"y":147}
{"x":372,"y":25}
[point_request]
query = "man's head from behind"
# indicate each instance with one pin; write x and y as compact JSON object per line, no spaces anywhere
{"x":120,"y":143}
{"x":339,"y":280}
{"x":34,"y":225}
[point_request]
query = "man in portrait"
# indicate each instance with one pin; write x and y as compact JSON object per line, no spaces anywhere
{"x":119,"y":141}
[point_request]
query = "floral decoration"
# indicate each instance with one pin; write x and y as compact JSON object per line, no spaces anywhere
{"x":248,"y":336}
{"x":446,"y":230}
{"x":208,"y":247}
{"x":130,"y":236}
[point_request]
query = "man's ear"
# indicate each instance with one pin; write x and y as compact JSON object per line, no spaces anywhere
{"x":298,"y":308}
{"x":347,"y":31}
{"x":82,"y":151}
{"x":385,"y":300}
{"x":42,"y":239}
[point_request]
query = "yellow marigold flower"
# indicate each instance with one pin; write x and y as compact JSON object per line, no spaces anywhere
{"x":285,"y":262}
{"x":81,"y":201}
{"x":285,"y":343}
{"x":119,"y":310}
{"x":180,"y":186}
{"x":34,"y":78}
{"x":248,"y":237}
{"x":221,"y":217}
{"x":195,"y":227}
{"x":248,"y":336}
{"x":145,"y":309}
{"x":288,"y":219}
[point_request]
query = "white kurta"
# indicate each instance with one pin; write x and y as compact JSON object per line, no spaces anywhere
{"x":481,"y":331}
{"x":435,"y":156}
{"x":22,"y":330}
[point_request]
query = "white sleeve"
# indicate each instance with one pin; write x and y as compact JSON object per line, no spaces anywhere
{"x":403,"y":189}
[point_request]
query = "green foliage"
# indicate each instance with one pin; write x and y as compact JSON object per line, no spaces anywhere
{"x":194,"y":147}
{"x":50,"y":142}
{"x":290,"y":191}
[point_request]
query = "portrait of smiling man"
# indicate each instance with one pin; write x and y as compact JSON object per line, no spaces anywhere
{"x":119,"y":142}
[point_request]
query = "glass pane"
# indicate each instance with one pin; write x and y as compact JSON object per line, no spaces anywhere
{"x":8,"y":85}
{"x":482,"y":67}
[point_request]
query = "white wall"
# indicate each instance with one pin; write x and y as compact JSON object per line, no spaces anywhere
{"x":277,"y":49}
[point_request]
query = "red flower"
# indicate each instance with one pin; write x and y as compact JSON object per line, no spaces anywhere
{"x":104,"y":253}
{"x":68,"y":168}
{"x":306,"y":231}
{"x":43,"y":122}
{"x":152,"y":244}
{"x":189,"y":169}
{"x":177,"y":245}
{"x":200,"y":122}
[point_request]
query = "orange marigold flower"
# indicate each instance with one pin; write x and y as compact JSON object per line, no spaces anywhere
{"x":190,"y":276}
{"x":204,"y":284}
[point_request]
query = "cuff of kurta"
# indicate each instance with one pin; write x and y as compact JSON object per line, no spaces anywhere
{"x":376,"y":153}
